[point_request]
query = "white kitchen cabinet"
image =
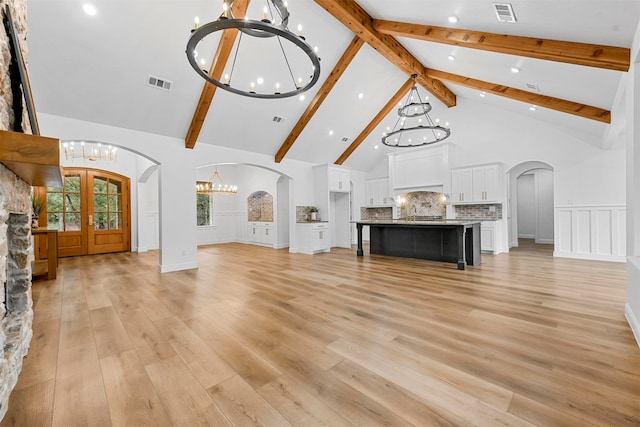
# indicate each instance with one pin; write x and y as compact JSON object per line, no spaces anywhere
{"x":261,"y":233}
{"x":313,"y":237}
{"x":339,"y":179}
{"x":462,"y":185}
{"x":478,"y":184}
{"x":485,"y":184}
{"x":377,"y":192}
{"x":488,"y":236}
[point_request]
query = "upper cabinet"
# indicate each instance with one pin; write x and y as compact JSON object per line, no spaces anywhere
{"x":377,"y":192}
{"x":339,"y":179}
{"x":478,"y":184}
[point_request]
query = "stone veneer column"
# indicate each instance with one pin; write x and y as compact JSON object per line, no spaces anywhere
{"x":16,"y":314}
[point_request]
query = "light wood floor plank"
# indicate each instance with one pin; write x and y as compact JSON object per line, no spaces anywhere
{"x":31,"y":406}
{"x":111,"y":337}
{"x":205,"y":364}
{"x":184,"y":399}
{"x":132,"y":398}
{"x":243,"y":406}
{"x":299,"y":406}
{"x":259,"y":336}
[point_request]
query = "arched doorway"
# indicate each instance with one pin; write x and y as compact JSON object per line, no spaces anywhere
{"x":531,"y":208}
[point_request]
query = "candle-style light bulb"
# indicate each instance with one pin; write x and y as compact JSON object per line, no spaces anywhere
{"x":277,"y":87}
{"x":253,"y":87}
{"x":299,"y":30}
{"x":225,"y":10}
{"x":226,"y":79}
{"x":265,"y":13}
{"x":202,"y":63}
{"x":196,"y":21}
{"x":299,"y":85}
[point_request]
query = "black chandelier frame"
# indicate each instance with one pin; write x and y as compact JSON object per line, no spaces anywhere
{"x":431,"y":132}
{"x":260,"y":29}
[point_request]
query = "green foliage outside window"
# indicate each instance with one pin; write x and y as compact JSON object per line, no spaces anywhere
{"x":204,"y":207}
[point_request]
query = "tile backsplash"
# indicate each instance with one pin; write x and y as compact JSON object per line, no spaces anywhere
{"x":376,"y":213}
{"x":479,"y":212}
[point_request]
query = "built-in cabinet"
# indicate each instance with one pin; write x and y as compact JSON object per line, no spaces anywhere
{"x":377,"y":192}
{"x":332,"y":191}
{"x":493,"y":235}
{"x":313,"y":237}
{"x":478,"y":184}
{"x":488,"y":236}
{"x":261,"y":233}
{"x":339,"y":179}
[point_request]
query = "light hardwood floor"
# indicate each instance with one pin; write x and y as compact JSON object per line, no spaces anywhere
{"x":258,"y":336}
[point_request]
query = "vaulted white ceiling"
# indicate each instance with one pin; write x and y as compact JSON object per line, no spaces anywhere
{"x":96,"y":68}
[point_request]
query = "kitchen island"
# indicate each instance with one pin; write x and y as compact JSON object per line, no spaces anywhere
{"x":441,"y":240}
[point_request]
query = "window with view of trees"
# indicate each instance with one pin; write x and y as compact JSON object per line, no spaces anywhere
{"x":204,"y":208}
{"x":63,"y":205}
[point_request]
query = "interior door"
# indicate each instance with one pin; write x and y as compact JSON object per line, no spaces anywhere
{"x":91,"y":212}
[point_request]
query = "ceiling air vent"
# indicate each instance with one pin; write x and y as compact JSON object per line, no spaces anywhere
{"x":533,"y":87}
{"x":158,"y":82}
{"x":504,"y":11}
{"x":345,"y":139}
{"x":277,"y":119}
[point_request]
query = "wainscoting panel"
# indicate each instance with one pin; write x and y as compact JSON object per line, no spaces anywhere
{"x":591,"y":232}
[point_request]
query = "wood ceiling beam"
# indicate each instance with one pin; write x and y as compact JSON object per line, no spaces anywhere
{"x":218,"y":63}
{"x":395,"y":99}
{"x":322,"y":94}
{"x":591,"y":55}
{"x":360,"y":22}
{"x":569,"y":107}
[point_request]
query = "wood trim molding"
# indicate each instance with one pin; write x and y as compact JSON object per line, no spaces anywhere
{"x":217,"y":68}
{"x":569,"y":107}
{"x":590,"y":55}
{"x":397,"y":97}
{"x":360,"y":22}
{"x":318,"y":99}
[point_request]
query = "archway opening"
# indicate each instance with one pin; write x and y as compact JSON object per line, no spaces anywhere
{"x":531,"y":207}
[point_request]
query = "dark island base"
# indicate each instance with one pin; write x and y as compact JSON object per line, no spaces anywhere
{"x":459,"y":244}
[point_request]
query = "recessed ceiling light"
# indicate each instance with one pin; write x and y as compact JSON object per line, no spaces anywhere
{"x":360,"y":95}
{"x":89,"y":9}
{"x":515,"y":70}
{"x":482,"y":94}
{"x":330,"y":132}
{"x":453,"y":19}
{"x":451,"y":57}
{"x":301,"y":98}
{"x":533,"y":108}
{"x":260,"y":80}
{"x":376,"y":146}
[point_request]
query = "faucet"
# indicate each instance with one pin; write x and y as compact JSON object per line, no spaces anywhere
{"x":411,"y":216}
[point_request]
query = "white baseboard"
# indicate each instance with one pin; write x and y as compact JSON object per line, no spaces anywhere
{"x":177,"y":267}
{"x":545,"y":241}
{"x":141,"y":249}
{"x":592,"y":257}
{"x":526,"y":236}
{"x":633,"y":322}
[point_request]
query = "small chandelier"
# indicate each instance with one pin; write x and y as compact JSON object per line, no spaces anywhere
{"x":424,"y":130}
{"x":210,"y":186}
{"x":258,"y":31}
{"x":93,"y":152}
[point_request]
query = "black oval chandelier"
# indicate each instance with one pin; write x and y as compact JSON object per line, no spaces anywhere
{"x":423,"y":131}
{"x":290,"y":83}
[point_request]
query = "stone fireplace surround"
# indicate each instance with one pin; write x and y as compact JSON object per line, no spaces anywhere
{"x":16,"y":314}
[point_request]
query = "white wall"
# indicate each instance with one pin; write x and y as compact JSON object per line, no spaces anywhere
{"x":177,"y":174}
{"x":544,"y":206}
{"x":526,"y":207}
